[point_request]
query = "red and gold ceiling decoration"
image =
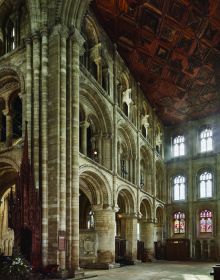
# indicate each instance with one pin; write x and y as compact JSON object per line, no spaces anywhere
{"x":172,"y":47}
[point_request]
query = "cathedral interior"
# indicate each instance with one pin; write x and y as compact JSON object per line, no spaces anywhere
{"x":109,"y":131}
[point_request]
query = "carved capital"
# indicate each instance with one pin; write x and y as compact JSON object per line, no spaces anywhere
{"x":76,"y":37}
{"x":28,"y":40}
{"x":35,"y":36}
{"x":60,"y":30}
{"x":44,"y":31}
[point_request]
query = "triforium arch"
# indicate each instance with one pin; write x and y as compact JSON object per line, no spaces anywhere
{"x":8,"y":178}
{"x":146,"y":163}
{"x":126,"y":149}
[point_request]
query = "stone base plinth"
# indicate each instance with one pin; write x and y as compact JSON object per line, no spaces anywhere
{"x":102,"y":265}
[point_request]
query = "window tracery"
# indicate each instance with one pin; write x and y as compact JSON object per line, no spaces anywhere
{"x":205,"y":183}
{"x":179,"y":146}
{"x":179,"y":188}
{"x":206,"y":141}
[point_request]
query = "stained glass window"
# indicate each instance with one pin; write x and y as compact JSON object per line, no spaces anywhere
{"x":178,"y":146}
{"x":205,"y":221}
{"x":206,"y":140}
{"x":179,"y":222}
{"x":205,"y":180}
{"x":179,"y":188}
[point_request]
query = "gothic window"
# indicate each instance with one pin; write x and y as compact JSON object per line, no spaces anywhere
{"x":205,"y":182}
{"x":179,"y":188}
{"x":10,"y":36}
{"x":206,"y":140}
{"x":206,"y":225}
{"x":178,"y":146}
{"x":179,"y":222}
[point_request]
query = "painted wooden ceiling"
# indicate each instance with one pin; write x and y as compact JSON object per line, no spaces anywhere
{"x":172,"y":47}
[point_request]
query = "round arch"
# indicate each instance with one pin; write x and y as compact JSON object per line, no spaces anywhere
{"x":127,"y":198}
{"x":95,"y":185}
{"x":13,"y":73}
{"x":145,"y":208}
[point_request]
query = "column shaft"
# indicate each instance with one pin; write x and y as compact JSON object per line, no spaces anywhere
{"x":28,"y":90}
{"x":105,"y":227}
{"x":44,"y":147}
{"x":131,"y":236}
{"x":36,"y":71}
{"x":77,"y":39}
{"x":8,"y":129}
{"x":147,"y":235}
{"x":62,"y":225}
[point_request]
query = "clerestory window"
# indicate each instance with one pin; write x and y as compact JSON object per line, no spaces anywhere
{"x":179,"y":146}
{"x":206,"y":141}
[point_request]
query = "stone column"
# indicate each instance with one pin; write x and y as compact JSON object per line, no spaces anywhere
{"x":69,"y":158}
{"x":130,"y":169}
{"x":131,"y":235}
{"x":84,"y":125}
{"x":98,"y":62}
{"x":62,"y":210}
{"x":54,"y":96}
{"x":106,"y":78}
{"x":9,"y":133}
{"x":36,"y":105}
{"x":105,"y":227}
{"x":147,"y":235}
{"x":77,"y":43}
{"x":106,"y":150}
{"x":190,"y":216}
{"x":99,"y":142}
{"x":44,"y":145}
{"x":116,"y":156}
{"x":28,"y":89}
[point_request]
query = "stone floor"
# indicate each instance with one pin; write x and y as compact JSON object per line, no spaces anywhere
{"x":159,"y":270}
